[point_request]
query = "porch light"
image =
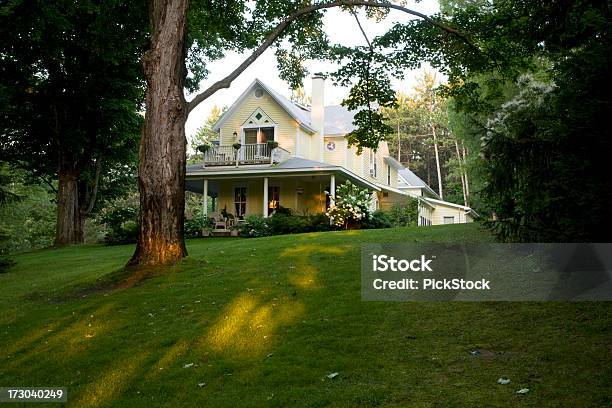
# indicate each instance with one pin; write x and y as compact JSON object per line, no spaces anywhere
{"x":235,"y":134}
{"x":299,"y":190}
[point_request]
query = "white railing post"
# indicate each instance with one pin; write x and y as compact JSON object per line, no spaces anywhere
{"x":205,"y":198}
{"x":265,"y":197}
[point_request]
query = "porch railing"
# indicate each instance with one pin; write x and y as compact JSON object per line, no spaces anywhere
{"x":256,"y":153}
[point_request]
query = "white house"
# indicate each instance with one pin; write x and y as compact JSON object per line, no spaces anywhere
{"x":312,"y":157}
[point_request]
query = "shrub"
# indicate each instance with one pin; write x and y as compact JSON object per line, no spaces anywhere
{"x":287,"y":224}
{"x":281,"y":223}
{"x":255,"y":226}
{"x":126,"y":233}
{"x":405,"y":214}
{"x":350,"y":205}
{"x":379,"y":219}
{"x":195,"y":225}
{"x":318,"y":222}
{"x":122,"y":224}
{"x":5,"y":261}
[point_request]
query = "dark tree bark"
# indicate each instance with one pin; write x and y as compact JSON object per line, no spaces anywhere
{"x":161,"y":173}
{"x":69,"y":226}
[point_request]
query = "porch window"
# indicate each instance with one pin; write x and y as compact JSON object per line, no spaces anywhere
{"x":259,"y":135}
{"x":240,"y":201}
{"x":449,"y":220}
{"x":273,"y":199}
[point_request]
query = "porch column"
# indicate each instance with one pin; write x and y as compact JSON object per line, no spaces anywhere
{"x":265,"y":197}
{"x":332,"y":186}
{"x":205,"y":198}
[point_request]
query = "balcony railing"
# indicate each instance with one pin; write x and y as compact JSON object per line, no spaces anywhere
{"x":257,"y":153}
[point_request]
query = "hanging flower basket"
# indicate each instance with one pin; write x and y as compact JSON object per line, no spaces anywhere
{"x":203,"y":148}
{"x":272,"y":144}
{"x":236,"y":146}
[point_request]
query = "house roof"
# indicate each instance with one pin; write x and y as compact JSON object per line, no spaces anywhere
{"x":338,"y":119}
{"x":408,"y":179}
{"x":440,"y":202}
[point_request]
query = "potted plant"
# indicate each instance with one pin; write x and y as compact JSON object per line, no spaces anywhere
{"x":207,"y":227}
{"x":203,"y":148}
{"x":235,"y":231}
{"x":272,"y":144}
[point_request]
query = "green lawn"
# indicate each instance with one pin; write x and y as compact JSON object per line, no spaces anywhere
{"x":262,"y":322}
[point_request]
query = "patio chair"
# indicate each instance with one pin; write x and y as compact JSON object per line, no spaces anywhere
{"x":218,"y":221}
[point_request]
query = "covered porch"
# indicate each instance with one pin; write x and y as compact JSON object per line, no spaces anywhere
{"x":230,"y":196}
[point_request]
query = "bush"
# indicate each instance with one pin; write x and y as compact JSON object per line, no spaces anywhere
{"x":195,"y":225}
{"x":350,"y":205}
{"x":318,"y":222}
{"x":126,"y":233}
{"x":404,"y":214}
{"x":122,"y":224}
{"x":379,"y":219}
{"x":5,"y":263}
{"x":255,"y":226}
{"x":280,"y":223}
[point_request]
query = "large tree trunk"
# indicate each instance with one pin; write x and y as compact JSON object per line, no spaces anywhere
{"x":161,"y":175}
{"x":69,"y":226}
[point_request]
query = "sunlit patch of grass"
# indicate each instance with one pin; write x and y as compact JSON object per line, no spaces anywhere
{"x":305,"y":277}
{"x":108,"y":385}
{"x":169,"y":357}
{"x":247,"y":326}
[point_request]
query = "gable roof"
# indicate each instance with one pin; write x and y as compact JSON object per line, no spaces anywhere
{"x":338,"y":119}
{"x":297,"y":113}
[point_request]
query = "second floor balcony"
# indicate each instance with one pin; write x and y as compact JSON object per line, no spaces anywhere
{"x":255,"y":153}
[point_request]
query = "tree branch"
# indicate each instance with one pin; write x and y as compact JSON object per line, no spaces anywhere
{"x":94,"y":193}
{"x":362,"y":30}
{"x":282,"y":26}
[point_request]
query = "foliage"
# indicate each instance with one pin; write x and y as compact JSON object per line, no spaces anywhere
{"x":71,"y":91}
{"x":405,"y":214}
{"x":379,"y":219}
{"x":255,"y":226}
{"x":284,"y":223}
{"x":542,"y":165}
{"x":205,"y":135}
{"x":350,"y":204}
{"x":121,"y":220}
{"x":195,"y":225}
{"x":28,"y":222}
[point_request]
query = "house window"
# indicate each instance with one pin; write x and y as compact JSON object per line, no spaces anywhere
{"x":388,"y":175}
{"x":449,"y":220}
{"x":240,"y":201}
{"x":258,"y":135}
{"x":273,"y":199}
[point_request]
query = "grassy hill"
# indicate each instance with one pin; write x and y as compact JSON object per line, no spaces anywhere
{"x":262,"y":322}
